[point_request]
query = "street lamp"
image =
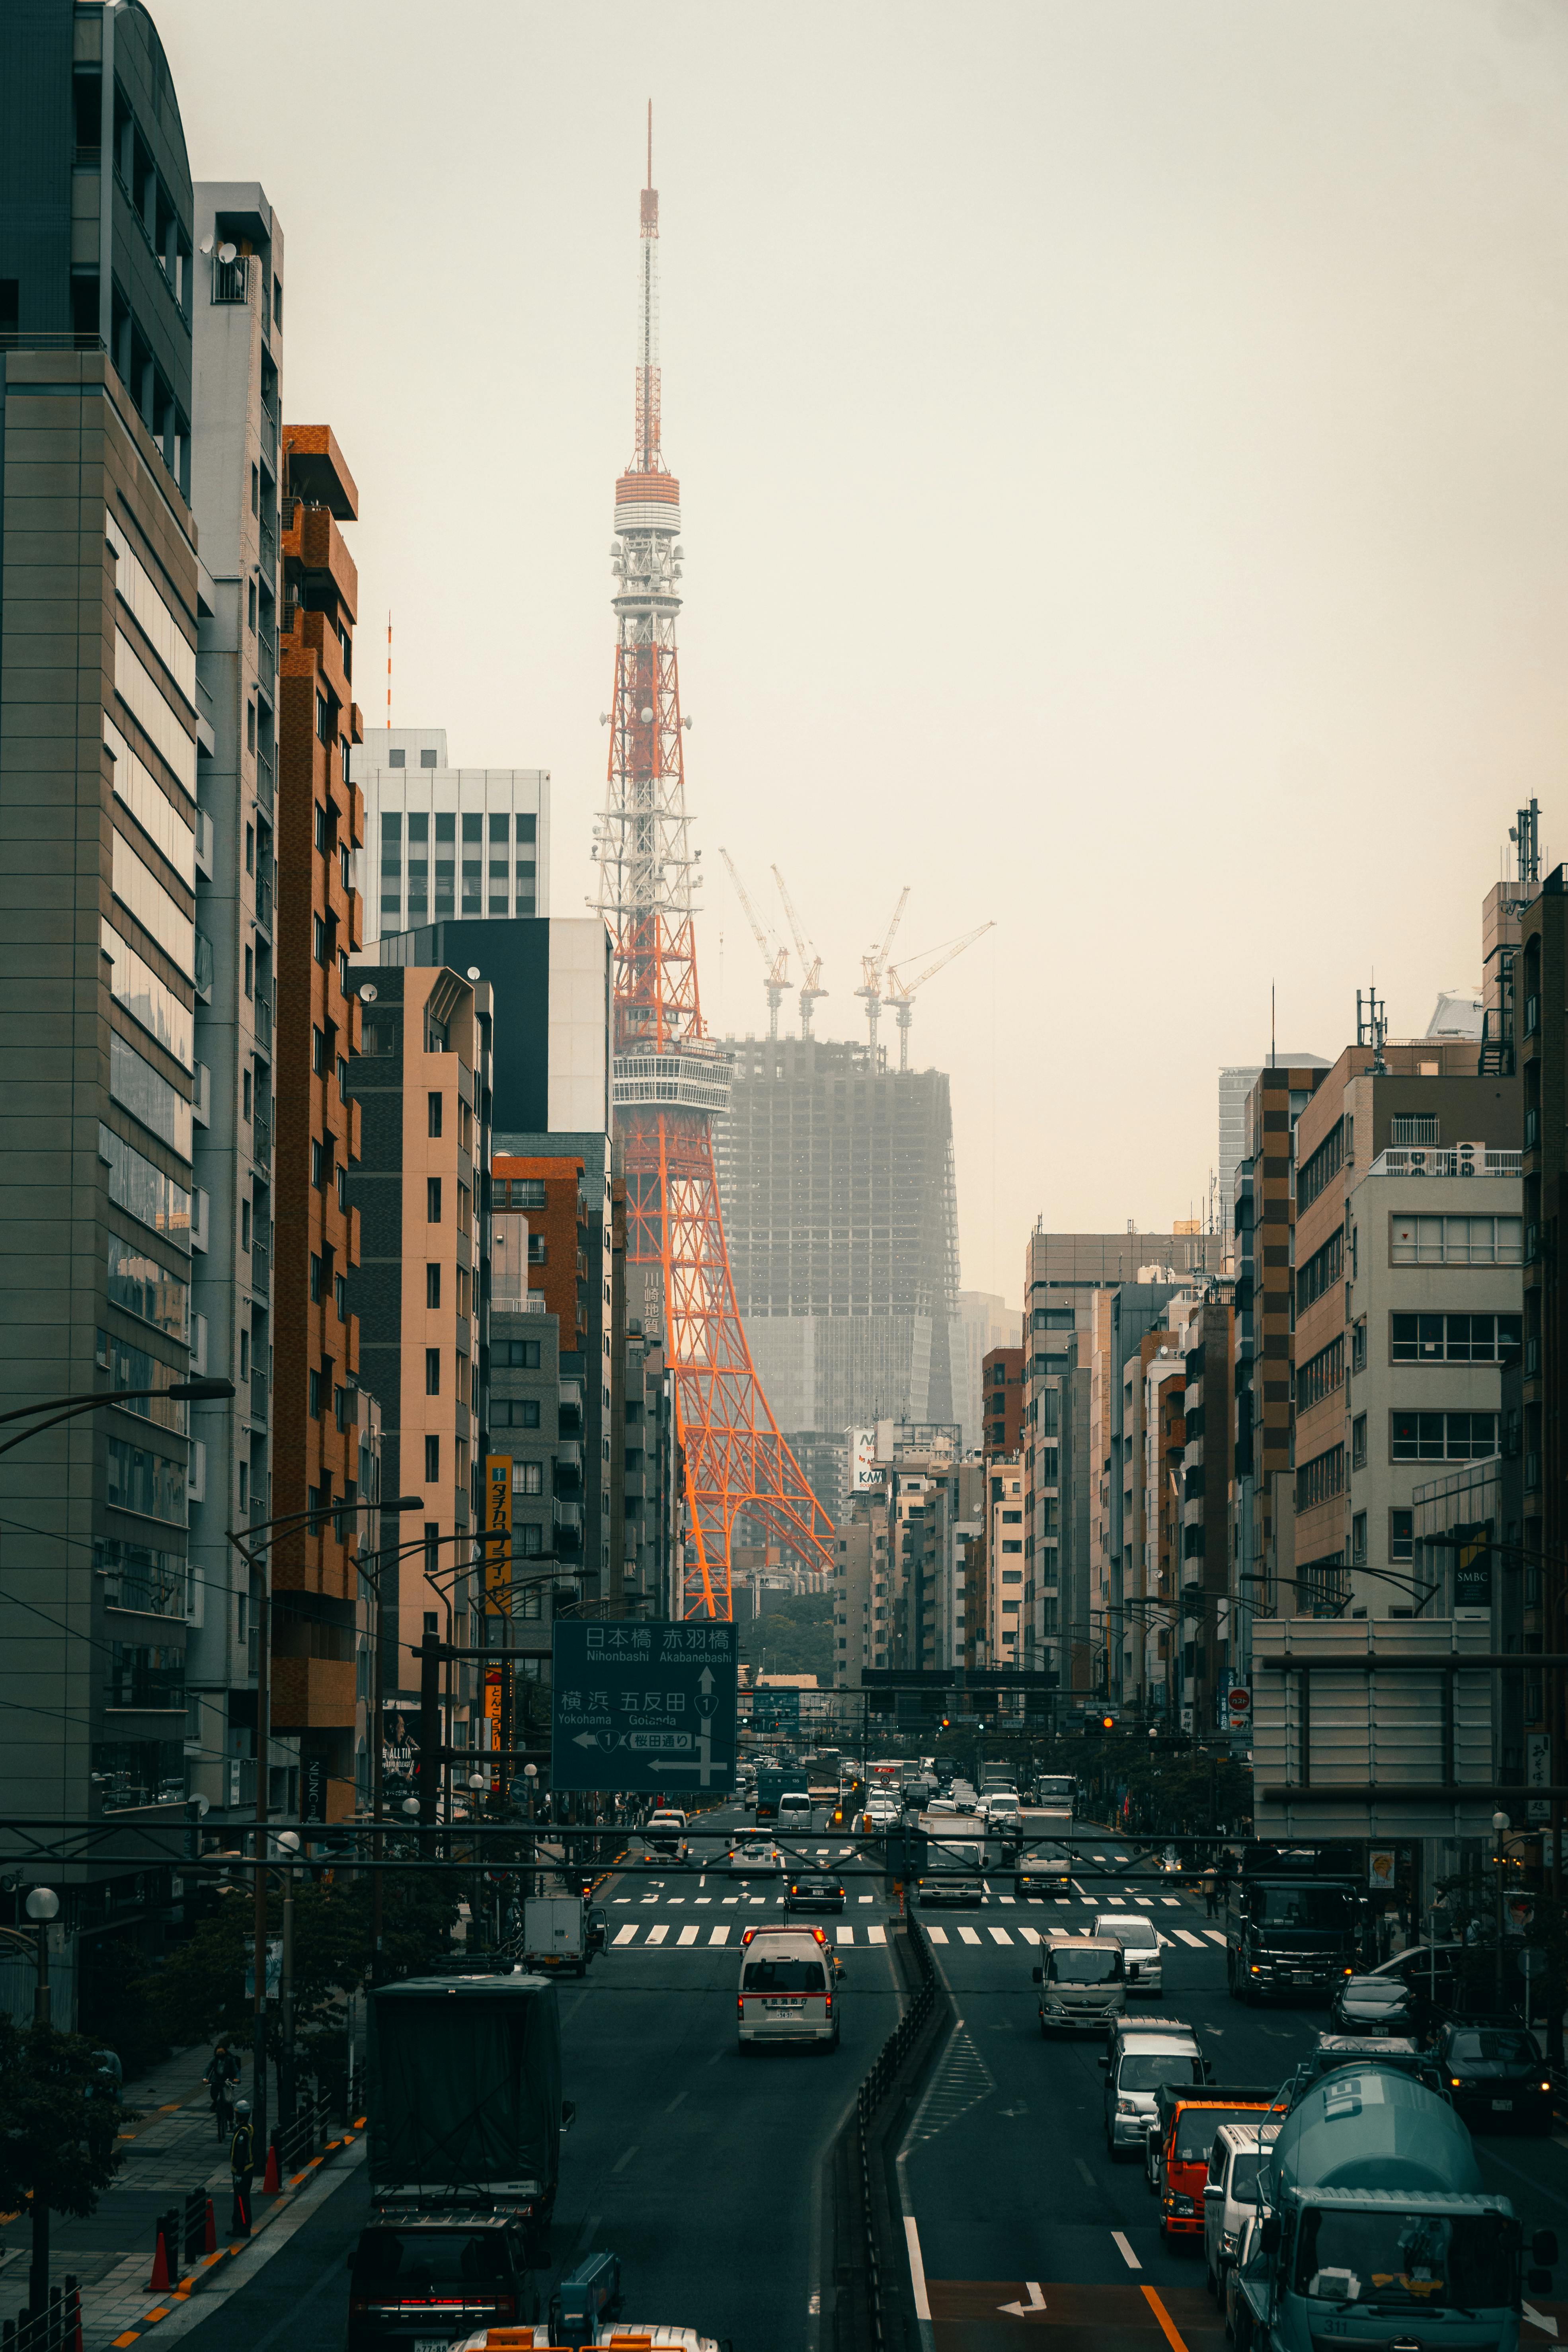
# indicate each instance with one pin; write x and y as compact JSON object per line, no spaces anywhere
{"x":65,"y":1408}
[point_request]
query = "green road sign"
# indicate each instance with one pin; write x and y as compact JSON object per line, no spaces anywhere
{"x":647,"y":1708}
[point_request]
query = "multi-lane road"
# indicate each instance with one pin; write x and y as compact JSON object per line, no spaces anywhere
{"x":702,"y":2170}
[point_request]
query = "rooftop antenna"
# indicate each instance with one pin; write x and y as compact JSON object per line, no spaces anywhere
{"x":1372,"y":1028}
{"x":389,"y":673}
{"x":1526,"y":838}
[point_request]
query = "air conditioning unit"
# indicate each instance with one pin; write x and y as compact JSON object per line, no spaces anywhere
{"x":1471,"y":1158}
{"x":1418,"y":1163}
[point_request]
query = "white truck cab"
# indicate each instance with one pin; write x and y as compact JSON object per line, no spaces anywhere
{"x":1082,"y":1981}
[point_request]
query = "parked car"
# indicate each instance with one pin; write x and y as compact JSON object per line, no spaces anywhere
{"x":1495,"y":2075}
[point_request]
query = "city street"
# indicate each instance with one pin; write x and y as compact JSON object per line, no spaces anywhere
{"x":1004,"y":2170}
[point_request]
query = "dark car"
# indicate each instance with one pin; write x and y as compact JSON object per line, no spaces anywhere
{"x":1374,"y":2005}
{"x":1044,"y":1870}
{"x":420,"y":2278}
{"x":598,"y":1927}
{"x":815,"y":1890}
{"x":1495,"y":2075}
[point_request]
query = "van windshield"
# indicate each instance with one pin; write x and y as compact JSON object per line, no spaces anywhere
{"x":1243,"y":2175}
{"x":1088,"y":1965}
{"x":1195,"y":2128}
{"x":1145,"y":2070}
{"x":782,"y":1976}
{"x":795,"y":1797}
{"x":1427,"y":2262}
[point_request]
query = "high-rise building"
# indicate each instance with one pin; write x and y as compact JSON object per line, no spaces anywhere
{"x":1001,"y":1401}
{"x":836,"y":1178}
{"x":99,"y":812}
{"x":314,"y":1342}
{"x":238,"y":346}
{"x":987,"y":1323}
{"x":1235,"y":1084}
{"x":444,"y":842}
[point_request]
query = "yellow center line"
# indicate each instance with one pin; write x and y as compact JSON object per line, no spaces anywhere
{"x":1171,"y":2332}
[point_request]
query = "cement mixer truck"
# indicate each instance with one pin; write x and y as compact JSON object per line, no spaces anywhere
{"x":1373,"y":2227}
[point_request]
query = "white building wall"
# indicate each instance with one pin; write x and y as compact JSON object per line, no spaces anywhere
{"x":406,"y":771}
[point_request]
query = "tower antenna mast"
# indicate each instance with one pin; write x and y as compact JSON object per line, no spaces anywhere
{"x":670,"y":1080}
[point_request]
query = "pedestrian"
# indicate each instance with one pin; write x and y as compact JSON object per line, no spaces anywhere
{"x":241,"y":2168}
{"x":1211,"y":1890}
{"x":221,"y":2076}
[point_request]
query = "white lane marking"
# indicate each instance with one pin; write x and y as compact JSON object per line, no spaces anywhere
{"x":650,"y":1899}
{"x":999,"y":1935}
{"x":729,"y":1898}
{"x":1031,"y":1935}
{"x":864,"y":1898}
{"x":1216,"y":1936}
{"x":688,"y":1934}
{"x":1002,"y":1898}
{"x":1077,"y":1890}
{"x":1086,"y":2172}
{"x":1172,"y":1902}
{"x":1188,"y":1937}
{"x":1547,"y":2325}
{"x":917,"y":2269}
{"x":937,"y":1935}
{"x":675,"y":2103}
{"x":705,"y":1898}
{"x":657,"y":1935}
{"x":1146,"y":1900}
{"x":625,"y":2158}
{"x":879,"y":1935}
{"x":626,"y":1935}
{"x":844,"y":1933}
{"x":675,"y":1898}
{"x":720,"y":1935}
{"x":967,"y":1936}
{"x":1128,"y":2256}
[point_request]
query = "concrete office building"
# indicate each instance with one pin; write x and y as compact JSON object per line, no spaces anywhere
{"x":836,"y":1177}
{"x":1206,"y":1592}
{"x":1235,"y":1084}
{"x":1062,"y":1274}
{"x":419,"y":1092}
{"x":98,"y":732}
{"x":238,"y":346}
{"x":467,"y":842}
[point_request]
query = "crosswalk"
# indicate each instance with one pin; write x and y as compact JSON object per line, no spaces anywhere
{"x":656,"y":1935}
{"x":1018,"y":1931}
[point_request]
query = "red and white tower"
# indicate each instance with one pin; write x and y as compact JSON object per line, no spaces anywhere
{"x":670,"y":1080}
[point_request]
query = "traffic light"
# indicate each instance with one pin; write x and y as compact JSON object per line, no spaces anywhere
{"x":1108,"y":1723}
{"x":946,"y":1722}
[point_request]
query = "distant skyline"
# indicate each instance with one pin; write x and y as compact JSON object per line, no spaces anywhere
{"x":1124,"y":463}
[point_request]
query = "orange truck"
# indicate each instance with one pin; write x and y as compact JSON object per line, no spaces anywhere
{"x":1181,"y":2138}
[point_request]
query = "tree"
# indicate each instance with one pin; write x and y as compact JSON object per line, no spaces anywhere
{"x":58,"y":2119}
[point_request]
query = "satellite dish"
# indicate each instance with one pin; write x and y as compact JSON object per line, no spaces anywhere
{"x":227,"y":253}
{"x":473,"y":971}
{"x":367,"y":993}
{"x":207,"y":242}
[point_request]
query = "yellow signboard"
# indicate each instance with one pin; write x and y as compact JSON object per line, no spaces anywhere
{"x":498,"y":1535}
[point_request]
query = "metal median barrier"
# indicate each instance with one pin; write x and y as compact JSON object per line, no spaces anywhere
{"x":871,"y":2303}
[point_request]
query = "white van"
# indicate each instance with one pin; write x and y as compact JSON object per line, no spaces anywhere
{"x":1082,"y":1981}
{"x":788,"y":1989}
{"x":795,"y":1807}
{"x":1140,"y":1940}
{"x":1144,"y":2053}
{"x":1230,"y":2195}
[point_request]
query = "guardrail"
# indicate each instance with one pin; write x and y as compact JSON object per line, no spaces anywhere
{"x":56,"y":2328}
{"x":885,"y":2071}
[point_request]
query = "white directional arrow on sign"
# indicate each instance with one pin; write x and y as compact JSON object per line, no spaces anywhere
{"x":1036,"y":2300}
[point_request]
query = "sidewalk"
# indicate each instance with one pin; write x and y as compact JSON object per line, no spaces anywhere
{"x":167,"y":2150}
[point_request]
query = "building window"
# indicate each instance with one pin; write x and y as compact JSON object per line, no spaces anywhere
{"x":523,"y":1353}
{"x":319,"y":938}
{"x":538,"y":1252}
{"x":315,"y":1277}
{"x":397,"y":758}
{"x":428,"y":758}
{"x":432,"y":1286}
{"x":432,"y":1113}
{"x":318,"y":1166}
{"x":1318,"y":1378}
{"x":529,"y":1542}
{"x":1453,"y":1338}
{"x":1358,"y":1348}
{"x":432,"y":1200}
{"x":432,"y":1459}
{"x":1457,"y":1241}
{"x":313,"y":1393}
{"x":519,"y":1414}
{"x":250,"y":604}
{"x":323,"y":720}
{"x":523,"y":1193}
{"x":1358,"y":1442}
{"x":1442,"y":1436}
{"x":1321,"y":1478}
{"x":245,"y":1225}
{"x":1011,"y":1543}
{"x":1401,"y":1535}
{"x":1358,"y":1538}
{"x":341,"y":1184}
{"x":249,"y":972}
{"x":319,"y":1052}
{"x":528,"y":1477}
{"x":431,"y":1371}
{"x":1322,"y":1271}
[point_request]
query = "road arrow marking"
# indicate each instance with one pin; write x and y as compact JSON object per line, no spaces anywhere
{"x":1036,"y":2300}
{"x":1541,"y":2319}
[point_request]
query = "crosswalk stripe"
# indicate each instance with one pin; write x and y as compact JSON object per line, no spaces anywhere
{"x":875,"y":1935}
{"x":657,"y":1935}
{"x":1031,"y":1935}
{"x":864,"y":1898}
{"x":1172,"y":1902}
{"x":626,"y":1935}
{"x":1000,"y":1936}
{"x":721,"y":1934}
{"x":1188,"y":1937}
{"x":844,"y":1933}
{"x":1214,"y":1935}
{"x":967,"y":1936}
{"x":937,"y":1935}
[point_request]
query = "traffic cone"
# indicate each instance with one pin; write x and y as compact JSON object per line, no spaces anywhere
{"x":209,"y":2234}
{"x":159,"y":2281}
{"x":272,"y":2184}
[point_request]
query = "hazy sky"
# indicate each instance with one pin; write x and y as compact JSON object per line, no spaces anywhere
{"x":1124,"y":459}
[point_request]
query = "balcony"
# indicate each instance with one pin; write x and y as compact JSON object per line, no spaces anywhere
{"x":258,"y":1396}
{"x":231,"y":279}
{"x":264,"y":782}
{"x":264,"y":900}
{"x":269,"y":543}
{"x":261,"y":1141}
{"x":263,"y":1008}
{"x":260,"y":1267}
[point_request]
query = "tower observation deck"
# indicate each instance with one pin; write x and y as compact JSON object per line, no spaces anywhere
{"x":669,"y":1078}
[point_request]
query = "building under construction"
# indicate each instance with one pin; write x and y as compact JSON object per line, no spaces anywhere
{"x":836,"y":1176}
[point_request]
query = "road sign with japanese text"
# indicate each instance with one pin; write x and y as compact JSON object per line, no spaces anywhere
{"x":648,"y":1708}
{"x":497,"y":1534}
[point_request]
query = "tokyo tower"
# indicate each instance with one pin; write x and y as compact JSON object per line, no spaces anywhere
{"x":670,"y":1081}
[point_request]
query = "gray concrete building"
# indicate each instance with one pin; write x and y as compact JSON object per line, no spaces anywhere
{"x":445,"y":842}
{"x":99,"y":808}
{"x":238,"y":338}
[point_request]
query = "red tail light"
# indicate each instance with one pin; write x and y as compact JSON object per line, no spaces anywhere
{"x":830,"y":2004}
{"x":739,"y":2004}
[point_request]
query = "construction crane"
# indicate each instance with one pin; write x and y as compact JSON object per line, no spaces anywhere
{"x":776,"y":960}
{"x":871,"y":969}
{"x":902,"y":991}
{"x":811,"y":986}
